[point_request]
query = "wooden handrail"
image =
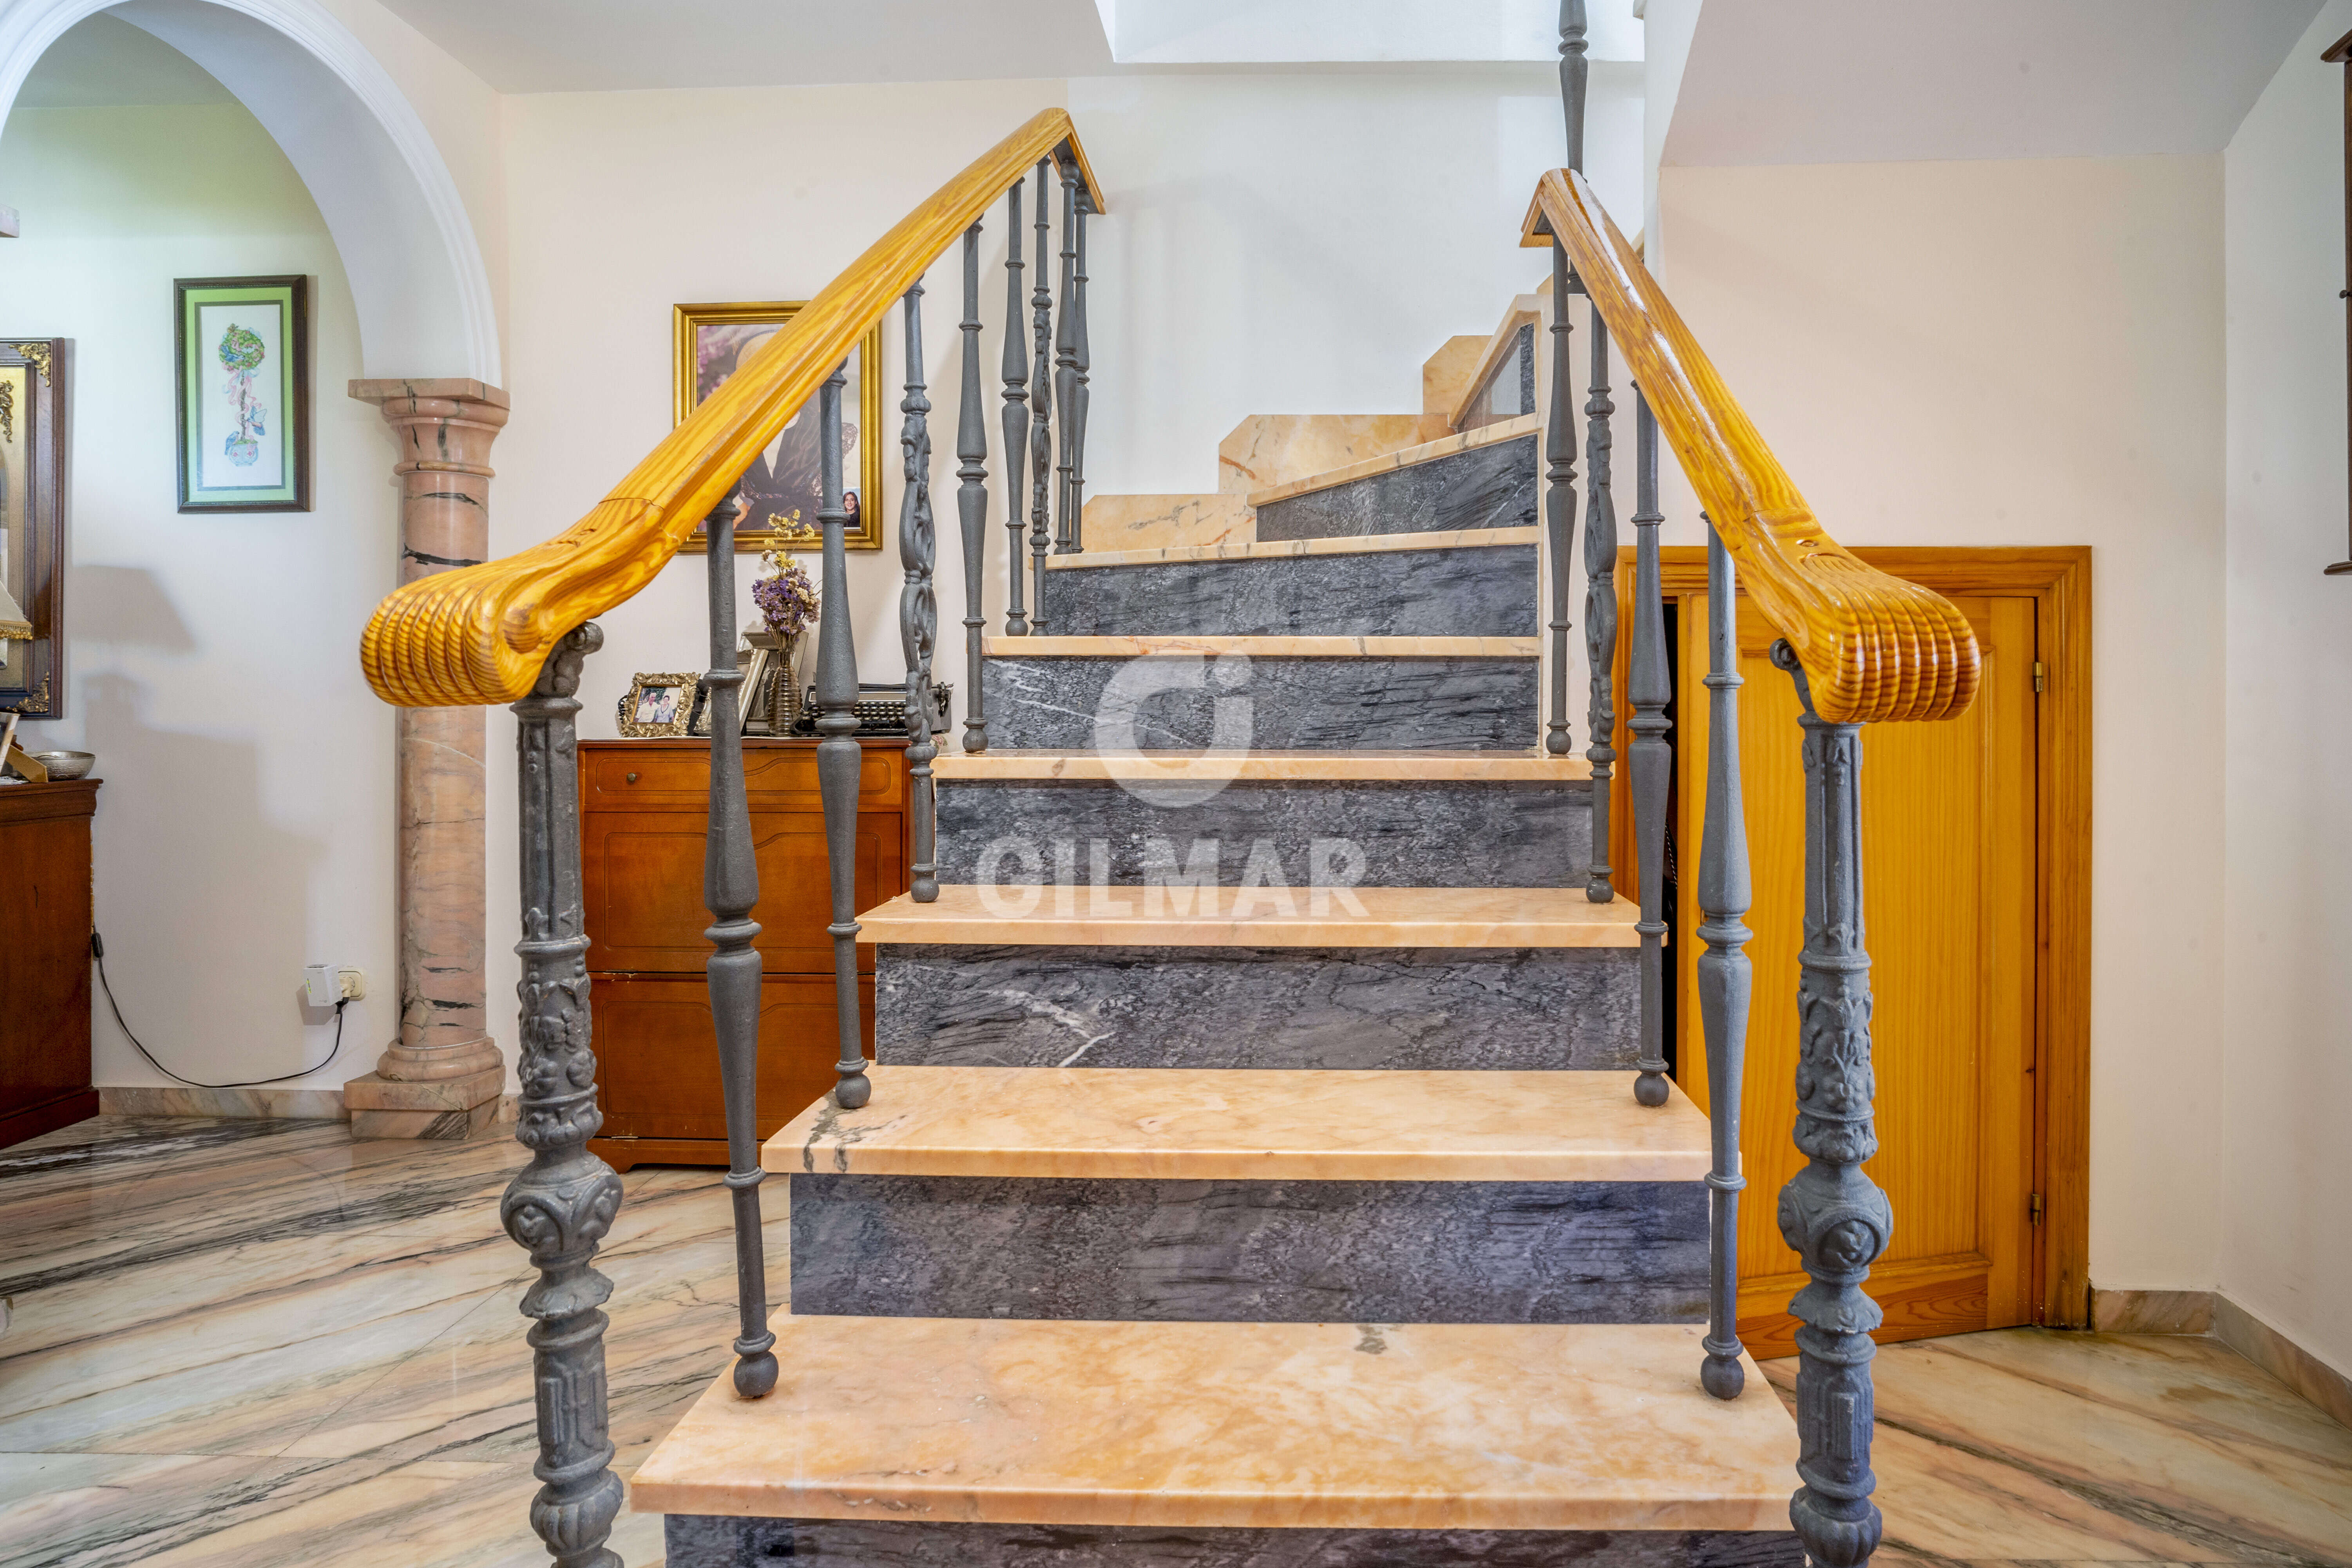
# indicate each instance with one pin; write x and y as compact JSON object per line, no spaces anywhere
{"x":1875,"y":649}
{"x":479,"y":634}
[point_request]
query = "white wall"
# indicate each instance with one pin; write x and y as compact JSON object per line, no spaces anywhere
{"x":2287,"y":1014}
{"x":1301,"y":243}
{"x":1980,"y":353}
{"x":246,"y":825}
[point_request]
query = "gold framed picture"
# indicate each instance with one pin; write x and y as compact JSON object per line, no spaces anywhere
{"x":659,"y":706}
{"x":781,"y":485}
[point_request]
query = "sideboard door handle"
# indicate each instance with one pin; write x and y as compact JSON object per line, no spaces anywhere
{"x":633,"y":778}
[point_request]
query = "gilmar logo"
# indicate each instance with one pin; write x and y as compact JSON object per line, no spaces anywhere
{"x":1017,"y":872}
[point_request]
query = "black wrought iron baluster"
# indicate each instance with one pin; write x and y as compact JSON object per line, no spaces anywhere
{"x":919,"y":610}
{"x":1831,"y":1213}
{"x":1014,"y":370}
{"x":1041,"y":407}
{"x":1574,"y":71}
{"x":839,"y":758}
{"x":972,"y":498}
{"x":731,"y":889}
{"x":1601,"y":606}
{"x":1559,"y":498}
{"x":1082,"y":396}
{"x":562,"y":1204}
{"x":1723,"y":968}
{"x":1066,"y":362}
{"x":1651,"y":766}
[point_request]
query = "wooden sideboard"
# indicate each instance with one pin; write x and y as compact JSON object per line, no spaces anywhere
{"x":45,"y":925}
{"x":643,"y":808}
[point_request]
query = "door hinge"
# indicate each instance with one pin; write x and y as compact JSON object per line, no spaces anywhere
{"x":2034,"y":1208}
{"x":2039,"y":678}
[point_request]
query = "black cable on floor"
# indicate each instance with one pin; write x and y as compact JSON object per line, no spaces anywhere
{"x":98,"y":952}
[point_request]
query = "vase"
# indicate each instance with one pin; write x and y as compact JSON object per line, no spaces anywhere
{"x":783,"y":703}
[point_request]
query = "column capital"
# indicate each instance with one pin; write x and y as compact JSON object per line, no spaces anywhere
{"x":453,"y":388}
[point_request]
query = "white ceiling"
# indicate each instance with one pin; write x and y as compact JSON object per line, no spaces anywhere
{"x":1852,"y":81}
{"x":101,"y":62}
{"x":1264,"y":32}
{"x":572,"y":45}
{"x":577,"y":46}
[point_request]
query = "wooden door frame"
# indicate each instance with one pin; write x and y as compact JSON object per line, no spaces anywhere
{"x":2058,"y":578}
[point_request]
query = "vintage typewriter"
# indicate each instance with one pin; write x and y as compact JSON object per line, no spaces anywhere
{"x":881,"y":709}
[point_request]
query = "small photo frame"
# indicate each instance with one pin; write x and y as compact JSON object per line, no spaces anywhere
{"x":780,"y":490}
{"x":244,"y":380}
{"x":659,"y":706}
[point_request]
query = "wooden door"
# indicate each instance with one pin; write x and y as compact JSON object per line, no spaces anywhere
{"x":1950,"y":877}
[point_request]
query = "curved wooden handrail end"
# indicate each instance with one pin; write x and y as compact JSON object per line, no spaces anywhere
{"x":478,"y":634}
{"x":1875,"y":649}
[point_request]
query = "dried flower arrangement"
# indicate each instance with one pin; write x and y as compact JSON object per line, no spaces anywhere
{"x":785,"y":596}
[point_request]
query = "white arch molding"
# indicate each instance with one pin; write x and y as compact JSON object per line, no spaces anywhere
{"x":418,"y":283}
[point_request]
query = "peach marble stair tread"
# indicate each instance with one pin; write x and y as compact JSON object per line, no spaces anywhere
{"x":1281,"y":549}
{"x":1530,"y":766}
{"x":1427,"y":452}
{"x":1119,"y":915}
{"x":1241,"y":1124}
{"x":1265,"y":647}
{"x":1457,"y":1427}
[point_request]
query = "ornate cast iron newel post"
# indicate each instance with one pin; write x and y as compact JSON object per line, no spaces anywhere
{"x":1830,"y":1212}
{"x":839,"y":759}
{"x":1559,"y":499}
{"x":561,"y":1204}
{"x":1722,"y":976}
{"x":1652,"y":763}
{"x":731,"y":889}
{"x":919,"y":610}
{"x":1601,"y":600}
{"x":972,"y":498}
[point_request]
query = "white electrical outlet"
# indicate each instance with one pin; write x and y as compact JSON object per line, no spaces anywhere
{"x":320,"y":985}
{"x":354,"y":984}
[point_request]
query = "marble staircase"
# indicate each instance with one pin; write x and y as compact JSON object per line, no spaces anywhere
{"x":1251,"y":1176}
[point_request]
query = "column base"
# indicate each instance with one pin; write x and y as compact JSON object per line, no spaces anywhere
{"x":433,"y":1064}
{"x":449,"y":1107}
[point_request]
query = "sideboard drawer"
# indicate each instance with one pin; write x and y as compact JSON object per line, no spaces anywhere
{"x":675,"y":775}
{"x":644,"y":889}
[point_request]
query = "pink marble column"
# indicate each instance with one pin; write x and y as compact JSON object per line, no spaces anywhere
{"x":443,"y":1077}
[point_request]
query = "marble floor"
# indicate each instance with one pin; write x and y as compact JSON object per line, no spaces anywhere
{"x":261,"y":1345}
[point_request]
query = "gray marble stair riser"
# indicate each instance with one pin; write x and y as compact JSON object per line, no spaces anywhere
{"x":1397,"y":1009}
{"x":1098,"y":1249}
{"x":1378,"y":834}
{"x":1365,"y":703}
{"x":1482,"y":590}
{"x":1486,"y":486}
{"x":707,"y":1541}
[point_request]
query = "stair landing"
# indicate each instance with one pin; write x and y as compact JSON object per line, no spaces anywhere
{"x":1419,"y":1427}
